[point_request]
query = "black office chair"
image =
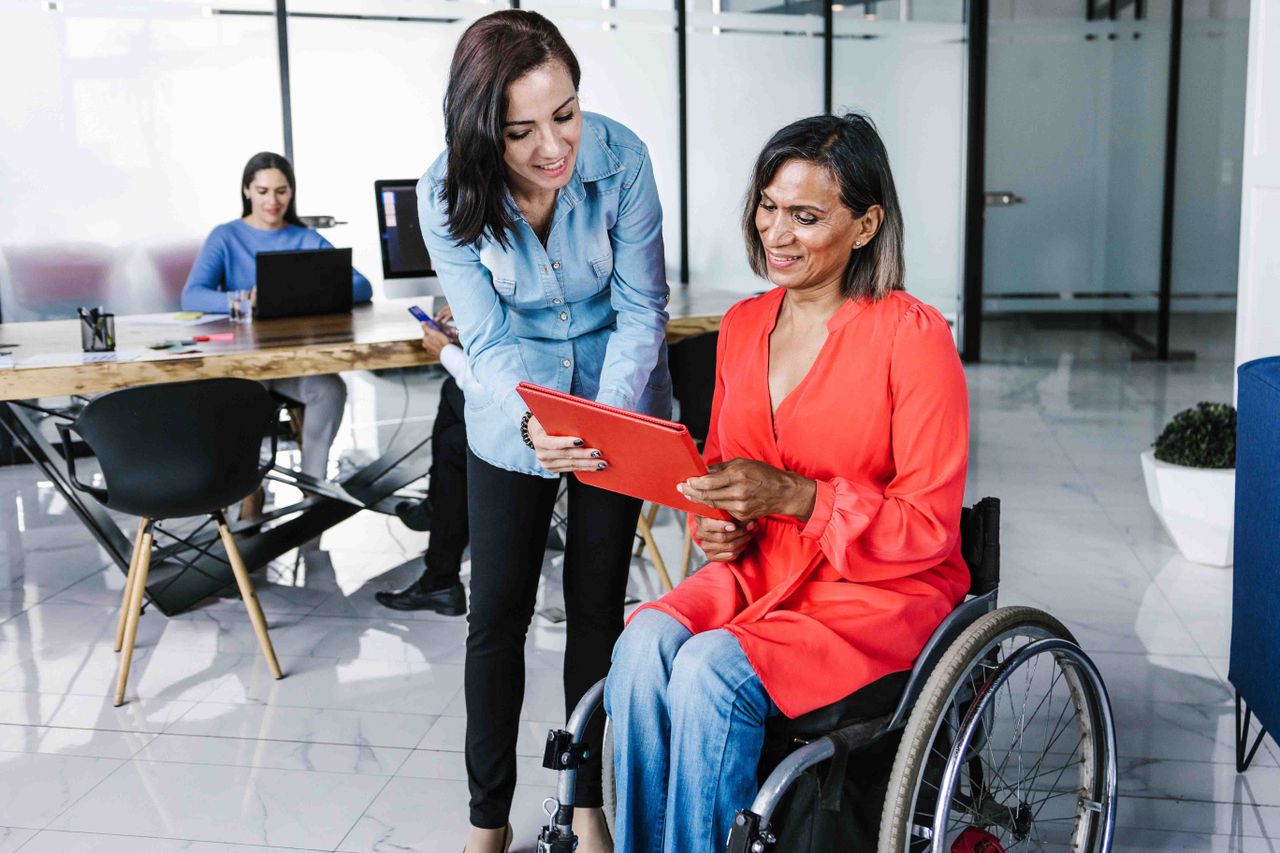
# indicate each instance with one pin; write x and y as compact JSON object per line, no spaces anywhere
{"x":174,"y":451}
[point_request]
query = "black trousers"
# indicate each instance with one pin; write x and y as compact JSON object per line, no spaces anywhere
{"x":447,"y":491}
{"x":510,"y":516}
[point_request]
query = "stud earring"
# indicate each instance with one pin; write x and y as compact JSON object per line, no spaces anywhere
{"x":857,"y":242}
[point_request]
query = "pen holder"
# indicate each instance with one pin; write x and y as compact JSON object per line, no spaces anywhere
{"x":97,"y":332}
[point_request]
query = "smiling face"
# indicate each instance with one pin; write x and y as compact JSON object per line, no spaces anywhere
{"x":807,"y":232}
{"x":269,"y":194}
{"x":540,"y":131}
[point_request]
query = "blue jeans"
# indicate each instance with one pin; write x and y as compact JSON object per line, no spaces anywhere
{"x":688,"y":716}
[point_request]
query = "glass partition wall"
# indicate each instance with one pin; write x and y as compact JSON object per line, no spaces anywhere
{"x":1105,"y":213}
{"x":125,"y":141}
{"x":124,"y":126}
{"x":151,"y":108}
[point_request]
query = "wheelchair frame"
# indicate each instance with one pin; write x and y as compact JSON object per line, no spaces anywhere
{"x":751,"y":828}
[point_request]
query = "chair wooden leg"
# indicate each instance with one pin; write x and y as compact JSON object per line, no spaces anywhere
{"x":134,"y":610}
{"x":646,"y":533}
{"x":648,"y":518}
{"x":250,"y":599}
{"x":128,"y":583}
{"x":686,"y":553}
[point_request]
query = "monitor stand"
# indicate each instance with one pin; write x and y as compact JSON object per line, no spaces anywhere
{"x":399,"y":288}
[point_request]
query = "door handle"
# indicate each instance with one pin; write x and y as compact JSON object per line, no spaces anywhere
{"x":1001,"y":198}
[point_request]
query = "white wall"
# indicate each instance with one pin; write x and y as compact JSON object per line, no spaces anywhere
{"x":1258,"y":300}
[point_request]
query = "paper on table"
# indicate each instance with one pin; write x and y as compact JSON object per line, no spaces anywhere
{"x":62,"y":359}
{"x":169,"y":319}
{"x":6,"y":362}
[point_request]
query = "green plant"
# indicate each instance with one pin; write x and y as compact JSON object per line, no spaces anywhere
{"x":1200,"y":437}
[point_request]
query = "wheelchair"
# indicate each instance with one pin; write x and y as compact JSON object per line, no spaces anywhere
{"x":1006,"y":735}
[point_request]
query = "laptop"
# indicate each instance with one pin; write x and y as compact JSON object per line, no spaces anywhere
{"x":302,"y":282}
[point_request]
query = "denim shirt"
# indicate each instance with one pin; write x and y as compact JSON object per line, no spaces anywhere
{"x":585,"y":315}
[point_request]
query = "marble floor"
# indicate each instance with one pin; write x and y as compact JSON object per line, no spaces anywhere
{"x":359,"y":747}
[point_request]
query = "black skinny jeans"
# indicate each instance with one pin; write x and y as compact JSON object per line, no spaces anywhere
{"x":510,"y":516}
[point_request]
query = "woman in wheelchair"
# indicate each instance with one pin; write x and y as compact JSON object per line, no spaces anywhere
{"x":838,"y":444}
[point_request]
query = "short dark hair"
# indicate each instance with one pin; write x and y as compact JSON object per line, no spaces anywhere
{"x":493,"y":53}
{"x":269,"y":160}
{"x":850,"y":149}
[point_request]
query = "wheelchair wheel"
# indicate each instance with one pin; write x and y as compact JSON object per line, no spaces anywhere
{"x":1011,"y":738}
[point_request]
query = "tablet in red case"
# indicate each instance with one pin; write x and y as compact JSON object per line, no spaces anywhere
{"x":647,"y":456}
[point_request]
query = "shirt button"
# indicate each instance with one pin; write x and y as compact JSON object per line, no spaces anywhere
{"x":567,"y":363}
{"x":564,"y":315}
{"x":556,"y":301}
{"x":556,"y":265}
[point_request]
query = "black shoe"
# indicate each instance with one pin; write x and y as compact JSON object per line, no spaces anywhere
{"x":416,"y":515}
{"x":449,"y":601}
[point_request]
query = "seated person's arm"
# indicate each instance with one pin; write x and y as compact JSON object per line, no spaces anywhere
{"x":205,"y":289}
{"x":361,"y":290}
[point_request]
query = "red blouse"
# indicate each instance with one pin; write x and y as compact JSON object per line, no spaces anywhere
{"x":881,"y":422}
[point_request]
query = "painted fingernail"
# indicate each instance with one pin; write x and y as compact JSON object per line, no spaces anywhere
{"x":601,"y":466}
{"x":680,"y":488}
{"x":577,"y":442}
{"x":595,"y":454}
{"x":728,"y":528}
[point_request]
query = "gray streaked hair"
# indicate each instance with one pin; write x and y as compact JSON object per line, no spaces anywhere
{"x":851,"y":150}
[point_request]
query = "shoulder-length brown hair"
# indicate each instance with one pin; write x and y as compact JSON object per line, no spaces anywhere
{"x":493,"y":53}
{"x":851,"y":151}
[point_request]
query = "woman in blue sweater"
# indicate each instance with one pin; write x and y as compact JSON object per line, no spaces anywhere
{"x":228,"y":261}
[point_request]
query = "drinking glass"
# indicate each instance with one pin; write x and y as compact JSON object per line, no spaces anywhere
{"x":239,"y":306}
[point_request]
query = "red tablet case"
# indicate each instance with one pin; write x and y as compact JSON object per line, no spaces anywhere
{"x":647,"y":456}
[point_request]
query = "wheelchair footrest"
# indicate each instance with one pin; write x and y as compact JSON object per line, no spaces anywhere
{"x":551,"y":841}
{"x":746,"y":835}
{"x":562,"y":753}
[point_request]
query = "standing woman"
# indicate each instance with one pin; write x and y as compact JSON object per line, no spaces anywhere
{"x":544,"y":226}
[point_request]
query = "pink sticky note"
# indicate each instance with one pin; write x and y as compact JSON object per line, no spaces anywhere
{"x":222,"y":337}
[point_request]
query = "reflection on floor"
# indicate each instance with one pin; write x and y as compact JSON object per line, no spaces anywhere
{"x":359,"y":747}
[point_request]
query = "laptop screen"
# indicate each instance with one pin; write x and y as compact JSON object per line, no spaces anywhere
{"x":404,"y":255}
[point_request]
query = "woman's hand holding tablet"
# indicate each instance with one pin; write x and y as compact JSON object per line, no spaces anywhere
{"x":647,"y":457}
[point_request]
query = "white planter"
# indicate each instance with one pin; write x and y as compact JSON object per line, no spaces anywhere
{"x":1196,"y":506}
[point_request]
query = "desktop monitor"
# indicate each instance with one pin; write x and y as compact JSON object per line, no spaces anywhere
{"x":406,"y":266}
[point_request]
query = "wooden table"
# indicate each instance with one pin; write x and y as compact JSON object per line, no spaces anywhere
{"x":377,"y":335}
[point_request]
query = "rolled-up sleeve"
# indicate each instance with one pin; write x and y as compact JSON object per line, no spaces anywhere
{"x":639,"y":291}
{"x":487,"y":338}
